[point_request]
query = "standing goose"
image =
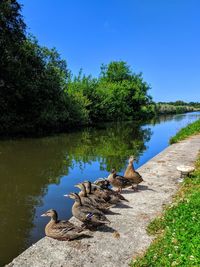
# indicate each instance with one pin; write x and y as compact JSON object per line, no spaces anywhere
{"x":90,"y":216}
{"x":131,"y":174}
{"x":61,"y":230}
{"x":118,"y":181}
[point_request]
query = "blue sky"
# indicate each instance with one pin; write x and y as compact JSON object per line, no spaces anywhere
{"x":161,"y":38}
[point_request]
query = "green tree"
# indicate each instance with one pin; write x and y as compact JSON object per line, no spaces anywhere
{"x":118,"y":93}
{"x":126,"y":92}
{"x":33,"y":79}
{"x":12,"y":36}
{"x":116,"y":71}
{"x":38,"y":92}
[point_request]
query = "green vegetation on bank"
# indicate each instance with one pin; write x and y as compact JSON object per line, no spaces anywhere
{"x":195,"y":105}
{"x":177,"y":241}
{"x":190,"y":129}
{"x":176,"y":107}
{"x":178,"y":236}
{"x":38,"y":93}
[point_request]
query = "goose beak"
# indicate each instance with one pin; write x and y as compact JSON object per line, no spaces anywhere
{"x":106,"y":222}
{"x":71,"y":195}
{"x":77,"y":185}
{"x":43,"y":215}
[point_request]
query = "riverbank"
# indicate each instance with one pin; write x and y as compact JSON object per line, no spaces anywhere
{"x":106,"y":248}
{"x":177,"y":229}
{"x":191,"y":129}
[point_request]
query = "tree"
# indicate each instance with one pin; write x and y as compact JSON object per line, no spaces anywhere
{"x":126,"y":92}
{"x":33,"y":78}
{"x":38,"y":92}
{"x":116,"y":71}
{"x":12,"y":36}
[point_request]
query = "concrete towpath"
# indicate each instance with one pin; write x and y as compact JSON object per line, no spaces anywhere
{"x":106,"y":248}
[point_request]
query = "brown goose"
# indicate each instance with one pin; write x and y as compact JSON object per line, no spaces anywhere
{"x":61,"y":230}
{"x":88,"y":215}
{"x":131,"y":174}
{"x":118,"y":181}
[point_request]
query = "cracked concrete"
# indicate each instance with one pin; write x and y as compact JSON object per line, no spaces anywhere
{"x":106,"y":247}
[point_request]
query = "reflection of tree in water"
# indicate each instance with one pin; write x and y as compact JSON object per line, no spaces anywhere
{"x":28,"y":166}
{"x":167,"y":117}
{"x":174,"y":117}
{"x":109,"y":145}
{"x":25,"y":169}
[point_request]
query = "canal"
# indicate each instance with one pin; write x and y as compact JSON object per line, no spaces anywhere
{"x":36,"y":173}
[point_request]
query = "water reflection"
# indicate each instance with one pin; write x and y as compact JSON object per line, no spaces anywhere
{"x":35,"y":173}
{"x":28,"y":166}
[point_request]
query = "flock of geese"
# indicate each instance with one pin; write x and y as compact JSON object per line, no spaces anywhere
{"x":91,"y":204}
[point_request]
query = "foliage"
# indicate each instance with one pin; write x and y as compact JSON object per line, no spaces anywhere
{"x":126,"y":86}
{"x":32,"y":78}
{"x":82,"y":89}
{"x":118,"y":94}
{"x":166,"y":108}
{"x":38,"y":92}
{"x":190,"y":129}
{"x":35,"y":99}
{"x":176,"y":107}
{"x":178,"y":240}
{"x":78,"y":104}
{"x":116,"y":71}
{"x":182,"y":103}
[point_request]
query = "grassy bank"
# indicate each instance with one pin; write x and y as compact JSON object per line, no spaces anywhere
{"x":177,"y":231}
{"x":187,"y":131}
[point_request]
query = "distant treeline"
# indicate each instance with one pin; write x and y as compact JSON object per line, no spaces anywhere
{"x":181,"y":103}
{"x":39,"y":94}
{"x":176,"y":107}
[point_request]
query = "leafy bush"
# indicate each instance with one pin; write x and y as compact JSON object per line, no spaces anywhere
{"x":173,"y":109}
{"x":118,"y":94}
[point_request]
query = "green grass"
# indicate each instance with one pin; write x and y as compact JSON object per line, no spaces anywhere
{"x":177,"y":231}
{"x":185,"y":132}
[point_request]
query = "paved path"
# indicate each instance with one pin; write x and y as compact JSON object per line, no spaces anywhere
{"x":105,"y":249}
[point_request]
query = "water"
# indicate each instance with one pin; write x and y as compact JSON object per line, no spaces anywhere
{"x":36,"y":173}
